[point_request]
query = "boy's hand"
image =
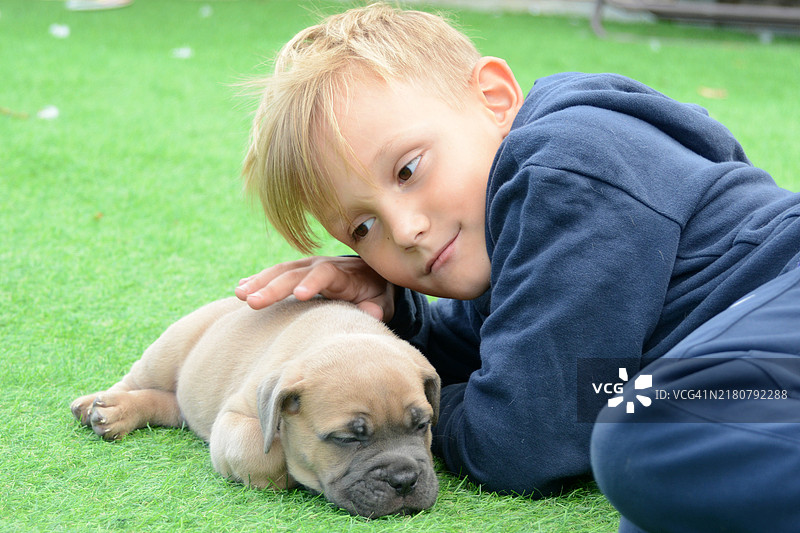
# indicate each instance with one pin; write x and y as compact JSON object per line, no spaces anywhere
{"x":338,"y":278}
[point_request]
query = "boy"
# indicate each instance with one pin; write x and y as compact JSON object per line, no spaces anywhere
{"x":593,"y":219}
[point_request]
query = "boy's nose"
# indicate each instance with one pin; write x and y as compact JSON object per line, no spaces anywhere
{"x":409,"y":228}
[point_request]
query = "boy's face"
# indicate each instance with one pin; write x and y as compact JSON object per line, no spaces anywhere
{"x":418,"y":218}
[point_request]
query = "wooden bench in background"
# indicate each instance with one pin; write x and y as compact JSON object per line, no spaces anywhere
{"x":745,"y":14}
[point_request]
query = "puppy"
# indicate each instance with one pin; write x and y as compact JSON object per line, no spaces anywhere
{"x":316,"y":393}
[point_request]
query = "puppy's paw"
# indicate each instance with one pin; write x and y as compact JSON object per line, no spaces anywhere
{"x":82,"y":407}
{"x":108,"y":414}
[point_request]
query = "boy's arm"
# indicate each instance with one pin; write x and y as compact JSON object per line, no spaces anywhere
{"x":340,"y":278}
{"x":446,"y":331}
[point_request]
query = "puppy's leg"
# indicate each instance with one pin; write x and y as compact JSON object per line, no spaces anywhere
{"x":237,"y":452}
{"x":146,"y":395}
{"x":114,"y":413}
{"x":134,"y":402}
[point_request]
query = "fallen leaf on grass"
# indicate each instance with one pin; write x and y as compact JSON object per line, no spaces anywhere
{"x":712,"y":93}
{"x":12,"y":113}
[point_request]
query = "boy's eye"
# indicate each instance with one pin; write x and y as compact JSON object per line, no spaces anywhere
{"x":362,"y":229}
{"x":407,"y":171}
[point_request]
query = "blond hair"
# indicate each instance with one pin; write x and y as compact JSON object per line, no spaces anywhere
{"x":282,"y":166}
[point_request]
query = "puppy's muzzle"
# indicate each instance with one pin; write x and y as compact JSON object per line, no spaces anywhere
{"x":390,"y":482}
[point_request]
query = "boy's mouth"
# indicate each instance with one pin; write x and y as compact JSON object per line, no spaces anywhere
{"x":441,"y":257}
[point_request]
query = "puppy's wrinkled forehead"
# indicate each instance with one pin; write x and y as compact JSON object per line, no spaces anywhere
{"x":378,"y":389}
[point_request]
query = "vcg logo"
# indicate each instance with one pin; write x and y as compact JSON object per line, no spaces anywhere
{"x":643,"y":381}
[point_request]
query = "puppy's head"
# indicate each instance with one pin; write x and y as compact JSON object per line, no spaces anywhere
{"x":354,"y":420}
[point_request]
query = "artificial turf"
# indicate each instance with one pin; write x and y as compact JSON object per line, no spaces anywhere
{"x":124,"y":212}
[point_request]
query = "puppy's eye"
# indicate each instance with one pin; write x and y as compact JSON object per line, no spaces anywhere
{"x":343,"y":440}
{"x":408,"y":170}
{"x":423,"y":426}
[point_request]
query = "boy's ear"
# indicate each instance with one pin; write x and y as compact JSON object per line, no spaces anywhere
{"x":499,"y":90}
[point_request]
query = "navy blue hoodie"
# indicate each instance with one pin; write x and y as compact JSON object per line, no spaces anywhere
{"x":617,"y":221}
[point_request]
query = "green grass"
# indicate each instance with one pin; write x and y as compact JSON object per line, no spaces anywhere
{"x":125,"y":212}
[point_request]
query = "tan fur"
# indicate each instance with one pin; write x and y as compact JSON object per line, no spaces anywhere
{"x":271,"y":390}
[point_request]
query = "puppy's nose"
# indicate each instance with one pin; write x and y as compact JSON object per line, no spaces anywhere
{"x":403,"y":481}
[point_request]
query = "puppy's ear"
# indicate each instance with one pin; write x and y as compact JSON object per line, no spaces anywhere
{"x":430,"y":381}
{"x":433,"y":389}
{"x":275,"y":396}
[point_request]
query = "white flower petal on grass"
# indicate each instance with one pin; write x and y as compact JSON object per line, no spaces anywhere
{"x":48,"y":113}
{"x":655,"y":45}
{"x":183,"y":52}
{"x":59,"y":31}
